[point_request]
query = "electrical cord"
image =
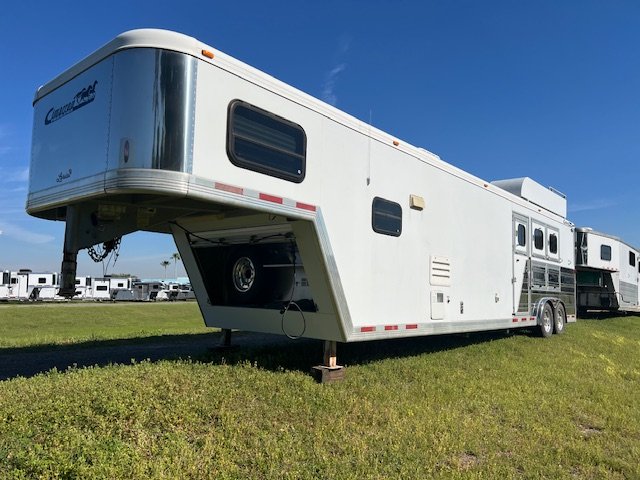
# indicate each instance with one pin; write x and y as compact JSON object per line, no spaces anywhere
{"x":286,"y":308}
{"x":191,"y":234}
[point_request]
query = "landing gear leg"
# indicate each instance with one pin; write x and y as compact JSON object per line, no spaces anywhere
{"x":225,"y":338}
{"x":329,"y":371}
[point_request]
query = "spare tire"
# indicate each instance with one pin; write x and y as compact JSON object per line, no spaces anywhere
{"x":246,"y":279}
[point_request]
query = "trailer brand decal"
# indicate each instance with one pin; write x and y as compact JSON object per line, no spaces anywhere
{"x":64,"y":175}
{"x":82,"y":98}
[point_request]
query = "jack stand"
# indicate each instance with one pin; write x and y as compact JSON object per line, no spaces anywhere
{"x":225,"y":341}
{"x":329,"y":371}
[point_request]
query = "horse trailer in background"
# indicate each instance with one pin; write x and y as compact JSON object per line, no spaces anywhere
{"x":607,"y":273}
{"x":290,"y":216}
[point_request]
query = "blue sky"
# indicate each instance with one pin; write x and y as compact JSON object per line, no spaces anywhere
{"x":502,"y":89}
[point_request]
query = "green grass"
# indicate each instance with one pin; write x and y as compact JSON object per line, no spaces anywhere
{"x":54,"y":324}
{"x":482,"y":406}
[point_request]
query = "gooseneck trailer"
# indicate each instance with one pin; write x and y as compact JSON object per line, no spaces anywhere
{"x":607,"y":273}
{"x":290,"y":216}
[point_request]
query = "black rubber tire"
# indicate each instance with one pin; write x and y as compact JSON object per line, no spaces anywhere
{"x":256,"y":277}
{"x":546,"y":321}
{"x":559,"y":319}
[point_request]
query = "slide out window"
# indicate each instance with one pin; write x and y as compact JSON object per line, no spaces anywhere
{"x":261,"y":141}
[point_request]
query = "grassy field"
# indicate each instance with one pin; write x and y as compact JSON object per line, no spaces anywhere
{"x":29,"y":324}
{"x":478,"y":406}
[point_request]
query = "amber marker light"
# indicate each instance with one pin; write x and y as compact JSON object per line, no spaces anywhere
{"x":207,"y":53}
{"x":396,"y":143}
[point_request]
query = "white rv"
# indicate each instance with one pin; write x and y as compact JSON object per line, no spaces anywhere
{"x":607,"y":273}
{"x":290,"y":216}
{"x":99,"y":289}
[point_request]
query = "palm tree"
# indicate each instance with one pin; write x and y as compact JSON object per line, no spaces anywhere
{"x":176,"y":258}
{"x":165,"y":264}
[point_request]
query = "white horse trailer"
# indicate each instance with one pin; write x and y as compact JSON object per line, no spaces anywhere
{"x":290,"y":216}
{"x":147,"y":290}
{"x":607,"y":273}
{"x":99,"y":289}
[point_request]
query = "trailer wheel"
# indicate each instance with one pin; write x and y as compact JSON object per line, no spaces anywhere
{"x":546,"y":321}
{"x":246,"y":278}
{"x":560,"y":319}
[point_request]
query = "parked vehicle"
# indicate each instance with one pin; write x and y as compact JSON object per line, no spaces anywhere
{"x":289,"y":215}
{"x":608,"y":273}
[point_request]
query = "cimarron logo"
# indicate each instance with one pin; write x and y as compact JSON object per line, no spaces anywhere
{"x":82,"y":98}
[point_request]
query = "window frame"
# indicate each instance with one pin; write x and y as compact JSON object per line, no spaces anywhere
{"x":260,"y":167}
{"x":382,"y":231}
{"x":602,"y":257}
{"x":632,"y":258}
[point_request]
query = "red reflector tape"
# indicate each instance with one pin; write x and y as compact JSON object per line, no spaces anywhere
{"x":532,"y":318}
{"x":515,"y":320}
{"x":413,"y":326}
{"x":391,"y":327}
{"x":523,"y":319}
{"x":228,"y":188}
{"x":367,"y":329}
{"x":270,"y":198}
{"x":305,"y":206}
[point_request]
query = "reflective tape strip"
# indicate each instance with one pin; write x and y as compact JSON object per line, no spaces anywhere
{"x":306,"y":206}
{"x":411,"y":326}
{"x":270,"y":198}
{"x":367,"y":329}
{"x":391,"y":327}
{"x":264,"y":196}
{"x":228,"y":188}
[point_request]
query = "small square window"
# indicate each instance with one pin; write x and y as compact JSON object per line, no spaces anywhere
{"x":386,"y":217}
{"x":632,"y":259}
{"x":605,"y":253}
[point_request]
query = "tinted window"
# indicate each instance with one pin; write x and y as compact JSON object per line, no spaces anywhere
{"x":522,"y":235}
{"x":42,"y":280}
{"x":605,"y":252}
{"x":101,"y":287}
{"x":386,"y":217}
{"x":632,"y":259}
{"x":553,"y":243}
{"x":261,"y":141}
{"x":538,"y":239}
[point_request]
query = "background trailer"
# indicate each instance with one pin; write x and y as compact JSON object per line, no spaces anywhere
{"x":607,"y":271}
{"x":290,"y":216}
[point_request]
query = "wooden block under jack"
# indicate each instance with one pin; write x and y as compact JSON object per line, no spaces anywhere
{"x":324,"y":374}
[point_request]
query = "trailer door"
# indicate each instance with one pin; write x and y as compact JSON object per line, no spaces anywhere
{"x":520,"y":272}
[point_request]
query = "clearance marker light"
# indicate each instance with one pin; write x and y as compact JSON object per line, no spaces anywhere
{"x":207,"y":53}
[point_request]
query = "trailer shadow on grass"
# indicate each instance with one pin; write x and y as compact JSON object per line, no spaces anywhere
{"x":271,"y":352}
{"x":302,"y":354}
